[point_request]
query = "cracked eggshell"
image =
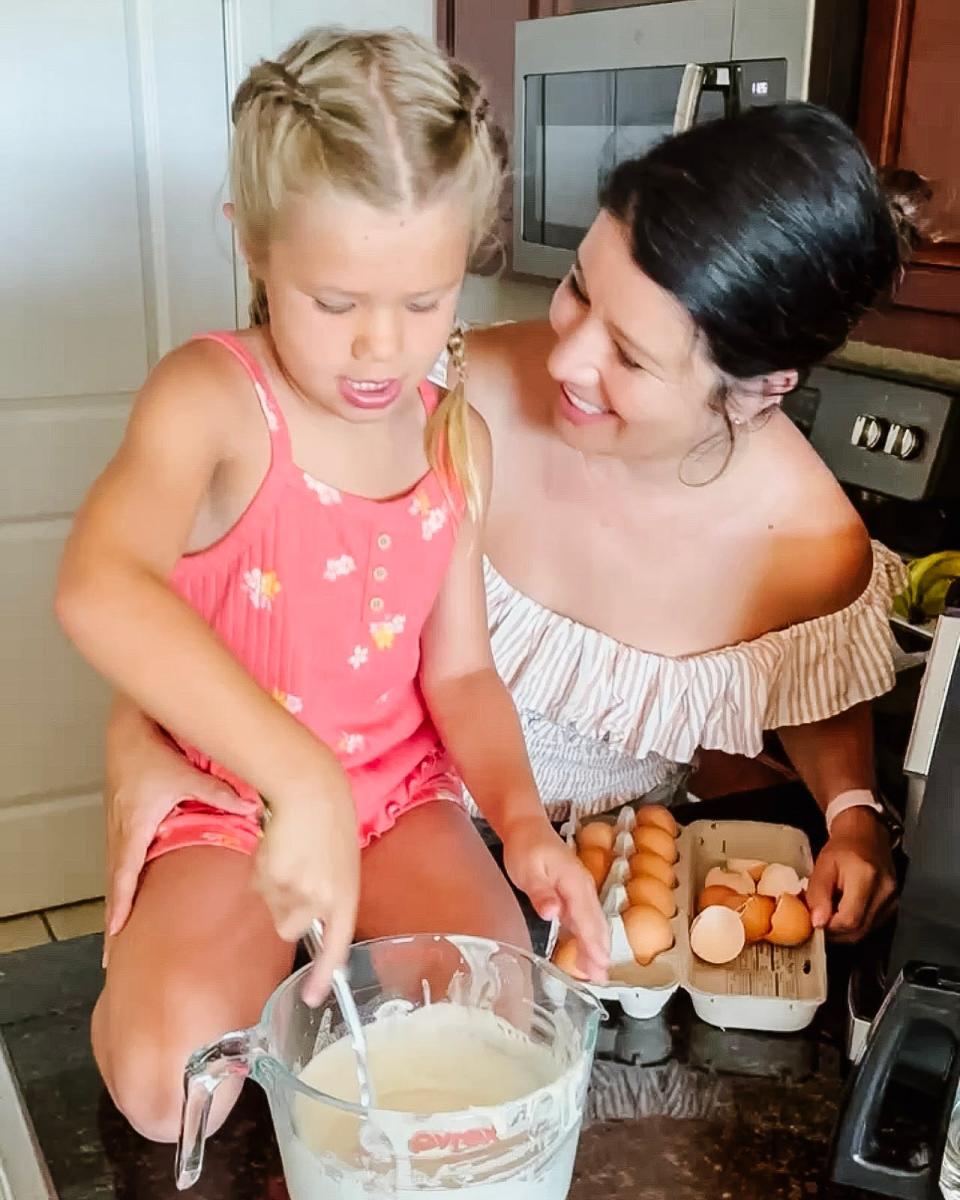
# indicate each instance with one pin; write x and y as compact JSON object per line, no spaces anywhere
{"x":756,"y":913}
{"x":736,"y":881}
{"x":648,"y":932}
{"x":753,"y":867}
{"x":716,"y":894}
{"x":778,"y":880}
{"x":717,"y":935}
{"x":790,"y":924}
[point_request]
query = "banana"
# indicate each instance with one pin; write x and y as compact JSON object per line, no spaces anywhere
{"x":928,"y":580}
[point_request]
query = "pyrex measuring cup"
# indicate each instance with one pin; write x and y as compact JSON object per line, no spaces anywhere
{"x":525,"y":1146}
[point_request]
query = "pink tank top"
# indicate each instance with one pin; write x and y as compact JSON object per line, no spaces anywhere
{"x":322,"y":595}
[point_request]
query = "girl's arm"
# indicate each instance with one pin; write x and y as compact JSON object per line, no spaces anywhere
{"x":115,"y":602}
{"x":478,"y":724}
{"x":833,"y":757}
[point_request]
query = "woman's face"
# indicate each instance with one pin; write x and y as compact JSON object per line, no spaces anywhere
{"x":636,"y":381}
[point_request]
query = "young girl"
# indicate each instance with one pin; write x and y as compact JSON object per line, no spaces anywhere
{"x":282,"y":566}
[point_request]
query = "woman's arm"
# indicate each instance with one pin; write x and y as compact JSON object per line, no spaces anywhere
{"x":478,"y":725}
{"x":833,"y":757}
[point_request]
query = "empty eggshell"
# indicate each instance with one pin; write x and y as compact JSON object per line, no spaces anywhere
{"x":717,"y":935}
{"x":756,"y":913}
{"x":658,"y":816}
{"x":648,"y":932}
{"x":597,"y":833}
{"x":715,"y":894}
{"x":657,"y":841}
{"x":645,"y":889}
{"x":790,"y":924}
{"x":778,"y":879}
{"x":596,"y":861}
{"x":648,"y":863}
{"x":736,"y":881}
{"x":565,"y":957}
{"x":753,"y":867}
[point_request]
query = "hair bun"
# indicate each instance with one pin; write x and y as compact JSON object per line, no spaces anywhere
{"x":908,"y":193}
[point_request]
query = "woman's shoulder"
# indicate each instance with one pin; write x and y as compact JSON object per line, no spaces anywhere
{"x":507,"y":367}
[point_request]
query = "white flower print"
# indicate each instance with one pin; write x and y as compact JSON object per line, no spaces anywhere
{"x":325,"y":493}
{"x":358,"y":657}
{"x":262,"y":587}
{"x":293,"y":704}
{"x":338,"y":567}
{"x":269,"y":415}
{"x":384,"y":632}
{"x":351,"y":743}
{"x":383,"y":698}
{"x":433,"y":522}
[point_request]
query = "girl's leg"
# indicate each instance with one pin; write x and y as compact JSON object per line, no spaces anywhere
{"x":198,"y":957}
{"x":432,"y":873}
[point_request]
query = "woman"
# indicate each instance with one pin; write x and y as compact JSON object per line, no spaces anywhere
{"x":670,"y":566}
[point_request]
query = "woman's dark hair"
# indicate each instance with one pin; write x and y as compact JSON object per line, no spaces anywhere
{"x":771,"y":228}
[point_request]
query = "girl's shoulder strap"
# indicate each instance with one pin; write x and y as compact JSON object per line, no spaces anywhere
{"x":272,"y":414}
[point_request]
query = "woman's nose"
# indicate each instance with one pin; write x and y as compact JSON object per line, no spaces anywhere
{"x":575,"y":357}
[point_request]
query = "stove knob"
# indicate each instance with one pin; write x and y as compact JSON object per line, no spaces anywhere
{"x":868,"y":432}
{"x":903,"y":441}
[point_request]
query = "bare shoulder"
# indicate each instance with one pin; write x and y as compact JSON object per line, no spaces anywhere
{"x":199,"y":390}
{"x":507,"y":368}
{"x":820,"y":554}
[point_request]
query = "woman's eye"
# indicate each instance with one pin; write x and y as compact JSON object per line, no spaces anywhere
{"x":424,"y":306}
{"x":333,"y":309}
{"x":627,"y":361}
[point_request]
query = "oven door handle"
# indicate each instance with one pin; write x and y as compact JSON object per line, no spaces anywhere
{"x":699,"y":78}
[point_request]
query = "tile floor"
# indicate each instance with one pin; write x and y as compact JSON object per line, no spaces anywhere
{"x":54,"y":925}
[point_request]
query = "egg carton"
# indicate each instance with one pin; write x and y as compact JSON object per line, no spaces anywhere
{"x":776,"y":988}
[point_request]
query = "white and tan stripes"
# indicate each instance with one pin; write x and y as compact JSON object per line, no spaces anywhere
{"x":606,"y":722}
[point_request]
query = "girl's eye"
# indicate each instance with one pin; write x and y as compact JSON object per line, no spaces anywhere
{"x":424,"y":306}
{"x":333,"y":309}
{"x":578,"y":292}
{"x":628,"y":362}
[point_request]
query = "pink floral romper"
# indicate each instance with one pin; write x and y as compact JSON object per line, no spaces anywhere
{"x":322,"y":595}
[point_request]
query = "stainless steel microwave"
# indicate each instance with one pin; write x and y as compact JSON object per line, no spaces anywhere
{"x":594,"y":88}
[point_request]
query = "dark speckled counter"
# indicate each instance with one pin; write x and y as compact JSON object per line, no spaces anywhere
{"x":699,"y":1113}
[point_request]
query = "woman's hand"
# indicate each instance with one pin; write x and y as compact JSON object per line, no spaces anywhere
{"x":560,"y":888}
{"x":853,"y":882}
{"x":308,"y":868}
{"x":147,"y":777}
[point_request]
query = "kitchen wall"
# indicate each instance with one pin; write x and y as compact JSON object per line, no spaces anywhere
{"x":486,"y":299}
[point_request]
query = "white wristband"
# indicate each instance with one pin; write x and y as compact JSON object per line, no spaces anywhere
{"x":860,"y":798}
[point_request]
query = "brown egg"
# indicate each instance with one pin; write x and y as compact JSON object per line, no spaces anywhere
{"x":715,"y":894}
{"x":790,"y":924}
{"x":597,"y":833}
{"x":756,"y":913}
{"x":596,"y":861}
{"x":648,"y":863}
{"x":565,"y":957}
{"x":657,"y":841}
{"x":659,"y":817}
{"x":645,"y":889}
{"x":648,"y":932}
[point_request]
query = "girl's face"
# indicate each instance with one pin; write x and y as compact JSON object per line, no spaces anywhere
{"x":636,"y":381}
{"x":362,"y":300}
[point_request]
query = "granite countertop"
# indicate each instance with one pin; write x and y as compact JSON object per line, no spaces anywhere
{"x":677,"y":1109}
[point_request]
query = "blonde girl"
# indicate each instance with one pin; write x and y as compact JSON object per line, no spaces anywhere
{"x":282,"y":567}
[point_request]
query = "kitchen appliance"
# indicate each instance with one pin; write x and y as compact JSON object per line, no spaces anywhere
{"x":494,"y":1151}
{"x":594,"y":88}
{"x":904,"y":1088}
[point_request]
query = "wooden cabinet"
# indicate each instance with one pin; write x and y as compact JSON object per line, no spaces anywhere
{"x":910,"y":119}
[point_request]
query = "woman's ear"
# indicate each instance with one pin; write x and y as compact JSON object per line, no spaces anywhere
{"x":750,"y":397}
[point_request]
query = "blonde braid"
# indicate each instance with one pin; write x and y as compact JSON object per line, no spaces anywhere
{"x":447,"y":434}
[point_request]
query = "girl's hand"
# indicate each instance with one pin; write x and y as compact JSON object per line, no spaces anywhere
{"x":560,"y":888}
{"x":308,"y":868}
{"x":147,"y":777}
{"x":853,"y":883}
